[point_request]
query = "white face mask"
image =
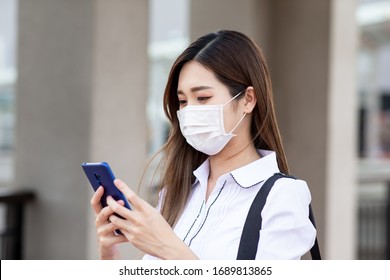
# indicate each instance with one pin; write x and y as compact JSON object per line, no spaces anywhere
{"x":203,"y":127}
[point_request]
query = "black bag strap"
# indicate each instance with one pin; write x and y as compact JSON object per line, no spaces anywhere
{"x":315,"y":250}
{"x":251,"y":232}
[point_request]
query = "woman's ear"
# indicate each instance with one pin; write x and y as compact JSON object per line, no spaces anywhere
{"x":249,"y":101}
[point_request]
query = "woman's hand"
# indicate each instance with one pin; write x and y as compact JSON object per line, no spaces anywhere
{"x":145,"y":228}
{"x":107,"y":239}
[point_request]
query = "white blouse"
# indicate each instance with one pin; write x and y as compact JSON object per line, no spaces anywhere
{"x":212,"y":228}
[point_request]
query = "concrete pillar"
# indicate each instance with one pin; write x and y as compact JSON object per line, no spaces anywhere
{"x":248,"y":16}
{"x":120,"y":90}
{"x":81,"y":91}
{"x":300,"y":68}
{"x":341,"y":198}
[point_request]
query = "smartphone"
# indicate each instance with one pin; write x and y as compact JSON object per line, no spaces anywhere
{"x":100,"y":174}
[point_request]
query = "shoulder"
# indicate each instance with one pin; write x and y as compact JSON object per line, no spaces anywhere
{"x":285,"y":221}
{"x":289,"y":191}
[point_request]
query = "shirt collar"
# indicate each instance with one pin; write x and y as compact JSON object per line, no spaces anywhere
{"x":245,"y":176}
{"x":202,"y":173}
{"x":257,"y":171}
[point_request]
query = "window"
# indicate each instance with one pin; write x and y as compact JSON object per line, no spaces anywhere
{"x":374,"y":79}
{"x":169,"y":36}
{"x":7,"y":86}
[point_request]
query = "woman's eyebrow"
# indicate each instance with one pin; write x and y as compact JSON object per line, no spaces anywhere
{"x":195,"y":89}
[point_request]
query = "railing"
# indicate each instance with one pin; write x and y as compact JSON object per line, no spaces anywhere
{"x":374,"y":212}
{"x":11,"y":237}
{"x":373,"y":228}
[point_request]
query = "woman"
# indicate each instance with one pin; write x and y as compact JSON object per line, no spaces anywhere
{"x":223,"y":144}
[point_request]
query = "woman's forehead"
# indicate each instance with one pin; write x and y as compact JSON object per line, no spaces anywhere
{"x":196,"y":76}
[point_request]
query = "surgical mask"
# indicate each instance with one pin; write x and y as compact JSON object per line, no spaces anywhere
{"x":203,"y":127}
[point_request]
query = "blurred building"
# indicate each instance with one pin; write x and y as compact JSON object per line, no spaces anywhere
{"x":373,"y":91}
{"x":89,"y":84}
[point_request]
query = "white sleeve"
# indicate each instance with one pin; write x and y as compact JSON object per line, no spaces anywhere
{"x":287,"y":233}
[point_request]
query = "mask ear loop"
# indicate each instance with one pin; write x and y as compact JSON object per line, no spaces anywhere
{"x":234,"y":97}
{"x":243,"y":116}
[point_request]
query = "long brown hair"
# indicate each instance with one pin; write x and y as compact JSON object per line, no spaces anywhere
{"x":238,"y":63}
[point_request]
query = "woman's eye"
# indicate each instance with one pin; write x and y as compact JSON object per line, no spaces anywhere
{"x":182,"y":102}
{"x":203,"y":98}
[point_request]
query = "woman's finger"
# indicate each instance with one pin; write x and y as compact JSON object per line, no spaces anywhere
{"x":119,"y":223}
{"x":103,"y":215}
{"x":107,"y":236}
{"x":95,"y":201}
{"x":118,"y":208}
{"x":106,"y":228}
{"x":134,"y":199}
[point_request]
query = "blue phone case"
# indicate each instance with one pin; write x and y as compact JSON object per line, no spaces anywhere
{"x":100,"y":174}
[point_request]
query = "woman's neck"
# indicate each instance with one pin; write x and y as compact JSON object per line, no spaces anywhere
{"x":230,"y":159}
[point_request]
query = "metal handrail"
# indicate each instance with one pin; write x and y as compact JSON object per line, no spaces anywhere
{"x":378,"y":171}
{"x":12,"y":237}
